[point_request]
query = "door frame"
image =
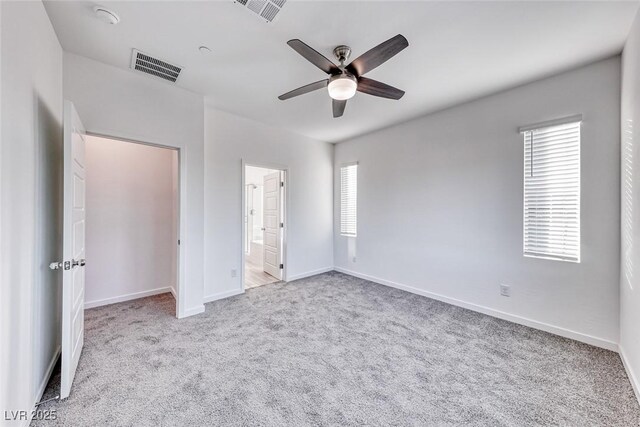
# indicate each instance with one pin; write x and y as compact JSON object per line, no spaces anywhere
{"x":181,"y":210}
{"x":285,"y":213}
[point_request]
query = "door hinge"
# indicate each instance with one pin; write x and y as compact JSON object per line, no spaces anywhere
{"x":282,"y":225}
{"x":281,"y":266}
{"x":281,"y":183}
{"x":178,"y":242}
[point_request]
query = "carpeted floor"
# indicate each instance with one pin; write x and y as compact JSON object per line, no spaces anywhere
{"x":334,"y":350}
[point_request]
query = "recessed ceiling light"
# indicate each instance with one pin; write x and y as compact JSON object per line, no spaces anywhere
{"x":106,"y":15}
{"x":204,"y":50}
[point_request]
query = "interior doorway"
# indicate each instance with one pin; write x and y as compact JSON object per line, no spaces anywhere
{"x":132,"y":217}
{"x":264,"y":225}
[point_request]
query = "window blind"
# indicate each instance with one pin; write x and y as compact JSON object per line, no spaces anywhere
{"x":552,"y":192}
{"x":348,"y":199}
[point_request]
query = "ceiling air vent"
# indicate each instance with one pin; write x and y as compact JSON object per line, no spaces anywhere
{"x":154,"y":66}
{"x":266,"y":9}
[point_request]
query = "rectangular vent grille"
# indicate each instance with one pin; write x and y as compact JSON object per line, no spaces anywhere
{"x":270,"y":11}
{"x":266,"y":9}
{"x":154,"y":66}
{"x":256,"y":5}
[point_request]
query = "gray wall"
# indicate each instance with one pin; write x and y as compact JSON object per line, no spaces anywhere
{"x":440,"y":206}
{"x":30,"y":209}
{"x":630,"y":265}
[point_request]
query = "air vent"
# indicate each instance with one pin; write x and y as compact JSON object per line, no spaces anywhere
{"x":154,"y":66}
{"x":269,"y":12}
{"x":256,"y":5}
{"x":266,"y":9}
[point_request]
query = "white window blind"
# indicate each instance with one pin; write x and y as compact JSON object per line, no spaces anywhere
{"x":349,"y":199}
{"x":552,"y":192}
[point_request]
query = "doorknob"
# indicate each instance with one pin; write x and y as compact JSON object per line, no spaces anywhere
{"x":55,"y":265}
{"x":67,"y":265}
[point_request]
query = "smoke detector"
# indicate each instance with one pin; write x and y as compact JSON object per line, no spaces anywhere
{"x":106,"y":15}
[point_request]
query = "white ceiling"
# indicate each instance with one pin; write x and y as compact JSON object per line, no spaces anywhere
{"x":457,"y":51}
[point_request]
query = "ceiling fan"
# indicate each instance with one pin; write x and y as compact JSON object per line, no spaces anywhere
{"x":344,"y":81}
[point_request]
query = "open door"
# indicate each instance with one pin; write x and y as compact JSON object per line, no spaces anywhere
{"x":272,"y":225}
{"x":73,"y":249}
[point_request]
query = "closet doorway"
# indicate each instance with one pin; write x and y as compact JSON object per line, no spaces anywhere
{"x":132,"y":222}
{"x":264,"y":225}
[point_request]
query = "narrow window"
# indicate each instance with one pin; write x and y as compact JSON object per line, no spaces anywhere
{"x":348,"y":199}
{"x":552,"y":191}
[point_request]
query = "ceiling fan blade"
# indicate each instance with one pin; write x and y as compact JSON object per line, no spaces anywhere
{"x":314,"y":57}
{"x":378,"y":55}
{"x":376,"y":88}
{"x":338,"y":107}
{"x":304,"y":89}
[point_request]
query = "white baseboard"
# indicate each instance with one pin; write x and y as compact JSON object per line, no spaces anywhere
{"x":309,"y":274}
{"x":173,"y":292}
{"x":127,"y":297}
{"x":635,"y":381}
{"x":192,"y":311}
{"x":566,"y":333}
{"x":221,"y":295}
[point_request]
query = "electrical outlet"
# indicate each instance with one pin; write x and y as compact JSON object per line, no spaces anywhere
{"x":234,"y":273}
{"x":505,"y":290}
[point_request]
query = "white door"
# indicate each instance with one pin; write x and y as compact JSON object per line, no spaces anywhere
{"x":73,"y":247}
{"x":272,"y":223}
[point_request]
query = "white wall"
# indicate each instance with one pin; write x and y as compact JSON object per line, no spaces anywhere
{"x":30,"y":211}
{"x":440,"y":206}
{"x":124,"y":104}
{"x":630,"y":233}
{"x":131,"y":198}
{"x":229,"y":139}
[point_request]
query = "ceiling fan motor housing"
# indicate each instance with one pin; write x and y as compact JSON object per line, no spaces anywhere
{"x":345,"y":75}
{"x":342,"y":52}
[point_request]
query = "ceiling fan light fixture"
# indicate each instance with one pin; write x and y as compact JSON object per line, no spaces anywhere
{"x":342,"y":87}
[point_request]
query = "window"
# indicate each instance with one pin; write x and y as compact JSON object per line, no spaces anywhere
{"x":348,"y":199}
{"x":552,"y":190}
